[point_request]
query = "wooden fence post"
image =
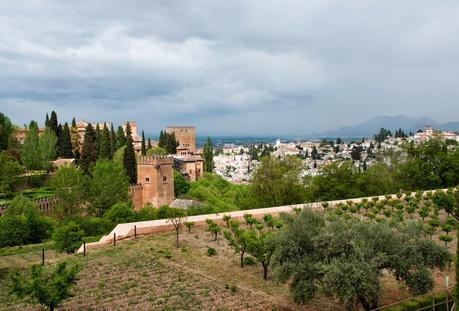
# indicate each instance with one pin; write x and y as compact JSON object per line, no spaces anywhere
{"x":114,"y":238}
{"x":42,"y":256}
{"x":84,"y":248}
{"x":135,"y":231}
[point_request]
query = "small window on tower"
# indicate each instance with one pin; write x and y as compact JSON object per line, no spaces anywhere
{"x":164,"y":178}
{"x":147,"y":180}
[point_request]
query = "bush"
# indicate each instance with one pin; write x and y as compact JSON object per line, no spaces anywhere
{"x":93,"y":226}
{"x":249,"y":261}
{"x":68,"y":238}
{"x":419,"y":282}
{"x":119,"y":213}
{"x":23,"y":224}
{"x":148,"y":212}
{"x":211,"y":252}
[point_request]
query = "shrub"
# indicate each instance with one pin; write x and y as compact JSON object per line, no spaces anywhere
{"x":446,"y":239}
{"x":148,"y":212}
{"x":68,"y":238}
{"x":119,"y":213}
{"x":95,"y":225}
{"x":249,"y":261}
{"x":419,"y":282}
{"x":211,"y":252}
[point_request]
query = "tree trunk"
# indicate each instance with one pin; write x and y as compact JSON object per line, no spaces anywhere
{"x":456,"y":299}
{"x":177,"y":234}
{"x":51,"y":308}
{"x":242,"y":259}
{"x":265,"y":272}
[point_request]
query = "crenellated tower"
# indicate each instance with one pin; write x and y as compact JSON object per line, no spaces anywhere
{"x":156,"y":176}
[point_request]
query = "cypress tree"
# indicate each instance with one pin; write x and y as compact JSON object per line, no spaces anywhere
{"x":66,"y":147}
{"x":75,"y":140}
{"x":161,"y":142}
{"x":104,"y":144}
{"x":129,"y":157}
{"x":60,"y":139}
{"x":149,"y":144}
{"x":208,"y":156}
{"x":144,"y":148}
{"x":97,"y":140}
{"x":112,"y":141}
{"x":53,"y":123}
{"x":47,"y":120}
{"x":120,"y":138}
{"x":88,"y":152}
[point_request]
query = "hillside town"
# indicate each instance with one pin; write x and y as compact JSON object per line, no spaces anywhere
{"x":236,"y":163}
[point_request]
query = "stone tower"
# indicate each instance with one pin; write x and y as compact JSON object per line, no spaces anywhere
{"x":156,"y":176}
{"x":185,"y":135}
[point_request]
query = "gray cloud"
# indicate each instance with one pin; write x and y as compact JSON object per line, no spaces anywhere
{"x":239,"y":67}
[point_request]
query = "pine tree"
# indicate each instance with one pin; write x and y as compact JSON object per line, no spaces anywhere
{"x":59,"y":145}
{"x":104,"y":144}
{"x":208,"y":156}
{"x":97,"y":140}
{"x":47,"y":120}
{"x":75,"y":139}
{"x":53,"y":124}
{"x":66,"y":141}
{"x":144,"y":148}
{"x":88,"y":152}
{"x":112,"y":141}
{"x":120,"y":138}
{"x":129,"y":157}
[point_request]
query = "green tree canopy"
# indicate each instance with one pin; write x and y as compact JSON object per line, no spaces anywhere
{"x":6,"y":129}
{"x":9,"y":169}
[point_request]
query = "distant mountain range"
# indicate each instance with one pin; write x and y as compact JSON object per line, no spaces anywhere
{"x":392,"y":123}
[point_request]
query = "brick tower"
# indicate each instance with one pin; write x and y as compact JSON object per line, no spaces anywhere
{"x":185,"y":135}
{"x":156,"y":176}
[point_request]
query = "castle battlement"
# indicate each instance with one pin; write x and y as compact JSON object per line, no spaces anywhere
{"x":181,"y":127}
{"x":155,"y":160}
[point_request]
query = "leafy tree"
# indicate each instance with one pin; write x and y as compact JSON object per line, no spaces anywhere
{"x":262,"y":247}
{"x":277,"y":182}
{"x":189,"y":225}
{"x":68,"y":238}
{"x":208,"y":156}
{"x":213,"y":228}
{"x":181,"y":186}
{"x":30,"y":155}
{"x":129,"y":162}
{"x":143,"y":150}
{"x":88,"y":152}
{"x":239,"y":239}
{"x":226,"y":219}
{"x":10,"y":170}
{"x":47,"y":148}
{"x":69,"y":185}
{"x":23,"y":224}
{"x":47,"y":289}
{"x":120,"y":138}
{"x":345,"y":258}
{"x":314,"y":153}
{"x":6,"y":129}
{"x":105,"y":145}
{"x":156,"y":151}
{"x":177,"y":218}
{"x":382,"y":135}
{"x":120,"y":213}
{"x":107,"y":186}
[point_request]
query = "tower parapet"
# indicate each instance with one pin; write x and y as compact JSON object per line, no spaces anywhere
{"x":155,"y":160}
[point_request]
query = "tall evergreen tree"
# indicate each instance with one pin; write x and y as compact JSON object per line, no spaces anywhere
{"x":6,"y":129}
{"x":97,"y":140}
{"x":129,"y":157}
{"x":66,"y":142}
{"x":208,"y":156}
{"x":47,"y":120}
{"x":161,"y":142}
{"x":75,"y":139}
{"x":149,"y":144}
{"x":144,"y":148}
{"x":60,"y":139}
{"x":120,"y":138}
{"x":104,"y":144}
{"x":53,"y":124}
{"x":88,"y":152}
{"x":112,"y":141}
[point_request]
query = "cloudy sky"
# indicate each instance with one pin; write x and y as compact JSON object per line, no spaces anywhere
{"x":230,"y":67}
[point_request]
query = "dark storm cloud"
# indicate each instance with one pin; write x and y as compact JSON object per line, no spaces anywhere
{"x":230,"y":67}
